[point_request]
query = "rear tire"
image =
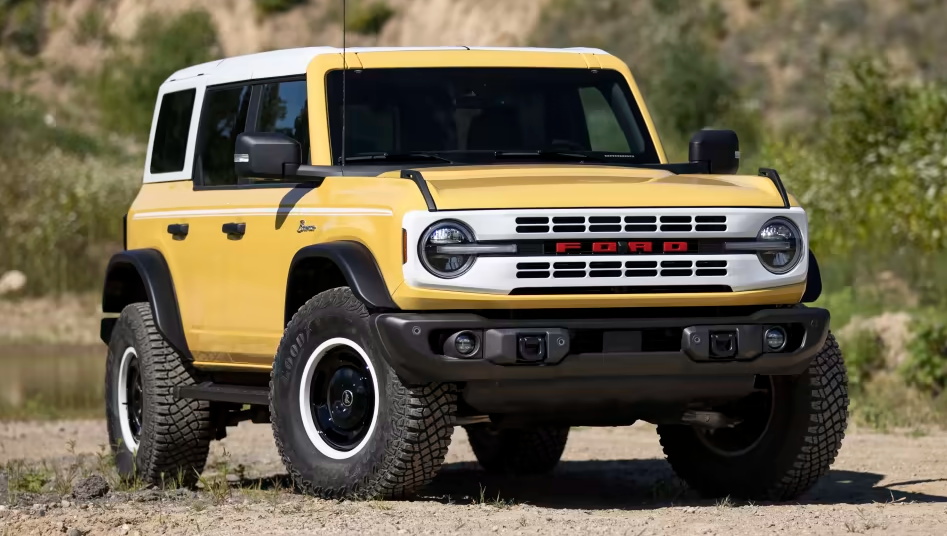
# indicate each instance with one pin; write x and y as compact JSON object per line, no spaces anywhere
{"x":793,"y":449}
{"x":344,"y":423}
{"x":154,"y":436}
{"x":518,"y":451}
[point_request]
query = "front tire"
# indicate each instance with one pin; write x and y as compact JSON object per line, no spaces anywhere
{"x":789,"y":438}
{"x":154,"y":436}
{"x":344,"y":423}
{"x":518,"y":451}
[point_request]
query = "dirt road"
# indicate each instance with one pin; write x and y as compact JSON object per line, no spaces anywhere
{"x":612,"y":481}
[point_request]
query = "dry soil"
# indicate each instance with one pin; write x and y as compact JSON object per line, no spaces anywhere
{"x":611,"y":481}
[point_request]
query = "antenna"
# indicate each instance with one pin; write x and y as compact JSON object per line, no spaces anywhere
{"x":344,"y":68}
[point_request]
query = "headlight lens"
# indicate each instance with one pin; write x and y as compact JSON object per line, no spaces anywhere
{"x":780,"y":231}
{"x":446,"y":233}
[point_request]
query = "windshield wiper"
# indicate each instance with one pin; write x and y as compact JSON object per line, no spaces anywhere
{"x":396,"y":157}
{"x":545,"y":154}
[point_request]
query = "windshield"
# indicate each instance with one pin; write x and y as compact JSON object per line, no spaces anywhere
{"x":472,"y":114}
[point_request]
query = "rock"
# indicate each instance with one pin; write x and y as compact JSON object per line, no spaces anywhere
{"x":65,"y":504}
{"x":11,"y":282}
{"x":38,"y":509}
{"x":124,"y":529}
{"x":74,"y":532}
{"x":91,"y":487}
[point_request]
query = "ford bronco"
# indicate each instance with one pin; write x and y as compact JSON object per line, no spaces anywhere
{"x":487,"y":238}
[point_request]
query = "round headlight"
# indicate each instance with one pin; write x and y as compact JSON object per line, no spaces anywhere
{"x":445,"y":233}
{"x":787,"y":245}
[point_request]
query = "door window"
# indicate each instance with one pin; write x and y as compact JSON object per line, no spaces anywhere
{"x":284,"y":109}
{"x":223,"y":118}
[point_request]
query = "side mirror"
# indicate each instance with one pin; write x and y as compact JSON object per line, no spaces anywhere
{"x":719,"y":150}
{"x":266,"y":155}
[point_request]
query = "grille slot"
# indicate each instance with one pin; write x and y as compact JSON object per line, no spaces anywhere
{"x":705,"y":228}
{"x":569,"y":273}
{"x":640,"y":219}
{"x":676,"y":273}
{"x":569,"y":266}
{"x":605,"y":273}
{"x":532,"y":228}
{"x":604,"y":219}
{"x":641,"y":228}
{"x":616,"y":264}
{"x":569,"y":219}
{"x":676,"y":264}
{"x":641,"y":264}
{"x":675,"y":219}
{"x":711,"y":272}
{"x":710,"y":219}
{"x":532,"y":275}
{"x":568,"y":228}
{"x":676,"y":228}
{"x":641,"y":273}
{"x":532,"y":266}
{"x":605,"y":228}
{"x":530,"y":220}
{"x":711,"y":264}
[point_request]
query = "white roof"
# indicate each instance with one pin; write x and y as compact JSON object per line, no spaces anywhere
{"x":294,"y":61}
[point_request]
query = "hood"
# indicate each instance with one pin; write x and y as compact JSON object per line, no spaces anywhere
{"x":567,"y":186}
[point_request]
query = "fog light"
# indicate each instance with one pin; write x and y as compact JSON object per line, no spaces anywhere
{"x":775,"y":339}
{"x":465,"y":343}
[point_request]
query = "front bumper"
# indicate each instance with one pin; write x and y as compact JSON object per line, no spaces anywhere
{"x":611,"y":348}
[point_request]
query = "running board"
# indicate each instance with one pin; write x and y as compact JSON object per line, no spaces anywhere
{"x":219,"y":392}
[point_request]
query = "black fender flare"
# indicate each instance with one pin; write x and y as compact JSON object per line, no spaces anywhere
{"x":358,"y":267}
{"x":813,"y":281}
{"x":155,"y":275}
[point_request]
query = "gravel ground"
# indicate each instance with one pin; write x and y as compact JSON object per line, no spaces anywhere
{"x":611,"y":481}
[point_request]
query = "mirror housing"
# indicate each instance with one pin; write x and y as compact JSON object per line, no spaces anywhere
{"x":266,"y":155}
{"x":719,"y":150}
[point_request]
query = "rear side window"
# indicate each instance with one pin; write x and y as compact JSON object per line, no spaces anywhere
{"x":174,"y":121}
{"x":223,"y":118}
{"x":284,"y":108}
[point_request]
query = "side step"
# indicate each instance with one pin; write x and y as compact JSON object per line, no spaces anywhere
{"x":219,"y":392}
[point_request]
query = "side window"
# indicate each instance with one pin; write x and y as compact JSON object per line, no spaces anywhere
{"x":223,"y":118}
{"x":174,"y":121}
{"x":605,"y":134}
{"x":284,"y":108}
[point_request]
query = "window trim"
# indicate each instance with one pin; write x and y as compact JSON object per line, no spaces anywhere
{"x":251,"y":125}
{"x":157,"y":121}
{"x":186,"y":173}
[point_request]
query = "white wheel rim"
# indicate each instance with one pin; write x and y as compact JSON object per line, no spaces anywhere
{"x":305,"y":409}
{"x":128,"y":439}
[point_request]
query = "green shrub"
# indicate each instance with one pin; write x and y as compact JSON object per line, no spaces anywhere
{"x":22,"y":25}
{"x":62,"y":197}
{"x":864,"y":356}
{"x":91,"y":26}
{"x":926,"y":365}
{"x":128,"y":85}
{"x":368,"y":19}
{"x":267,"y":7}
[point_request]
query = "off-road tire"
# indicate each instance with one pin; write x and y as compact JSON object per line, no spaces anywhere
{"x":517,"y":451}
{"x":175,"y":434}
{"x":802,"y":441}
{"x":412,"y":430}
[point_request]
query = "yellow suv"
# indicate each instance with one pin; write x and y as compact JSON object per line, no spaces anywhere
{"x":369,"y":247}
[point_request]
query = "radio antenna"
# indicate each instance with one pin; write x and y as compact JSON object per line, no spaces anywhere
{"x":344,"y":68}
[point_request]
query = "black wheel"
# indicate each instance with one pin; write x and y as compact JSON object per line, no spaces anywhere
{"x":344,"y":424}
{"x":518,"y":451}
{"x":788,"y":435}
{"x":154,"y":437}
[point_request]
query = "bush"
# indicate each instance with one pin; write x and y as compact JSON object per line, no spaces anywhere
{"x":62,"y":196}
{"x":369,"y":19}
{"x":926,"y":366}
{"x":21,"y":23}
{"x":864,"y":357}
{"x":268,"y":7}
{"x":128,"y":86}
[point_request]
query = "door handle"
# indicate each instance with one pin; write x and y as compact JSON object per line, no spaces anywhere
{"x":178,"y":230}
{"x":234,"y":229}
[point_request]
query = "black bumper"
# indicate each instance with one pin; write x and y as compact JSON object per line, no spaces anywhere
{"x":600,"y":348}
